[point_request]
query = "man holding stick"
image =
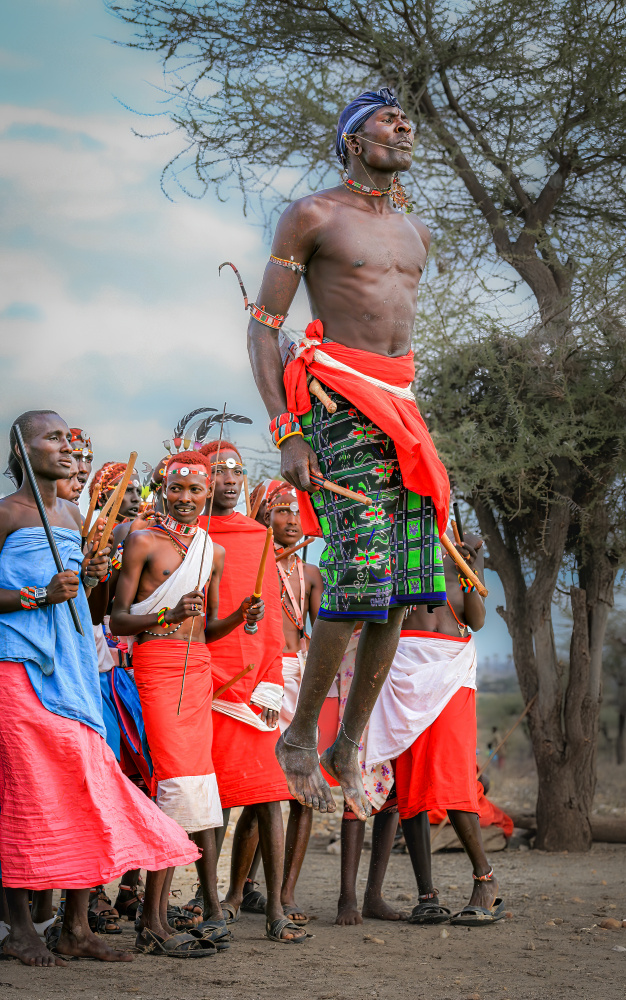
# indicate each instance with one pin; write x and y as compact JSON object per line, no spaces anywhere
{"x":158,"y":601}
{"x":363,"y":259}
{"x":52,"y":746}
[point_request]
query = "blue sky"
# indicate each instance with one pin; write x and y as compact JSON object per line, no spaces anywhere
{"x":111,"y":310}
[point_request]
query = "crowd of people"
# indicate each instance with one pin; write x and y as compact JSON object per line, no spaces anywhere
{"x":99,"y":727}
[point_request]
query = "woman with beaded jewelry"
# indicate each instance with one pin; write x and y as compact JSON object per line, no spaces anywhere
{"x":361,"y":256}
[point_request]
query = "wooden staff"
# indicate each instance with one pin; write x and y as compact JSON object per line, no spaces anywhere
{"x":206,"y":537}
{"x":318,"y":480}
{"x":456,"y":533}
{"x":506,"y":736}
{"x":457,"y":523}
{"x":258,"y":501}
{"x":460,"y":561}
{"x":242,"y":673}
{"x":293,"y":548}
{"x":92,"y":507}
{"x":102,"y":513}
{"x":119,"y":496}
{"x":246,"y":493}
{"x":258,"y":587}
{"x":34,"y":486}
{"x":316,"y":390}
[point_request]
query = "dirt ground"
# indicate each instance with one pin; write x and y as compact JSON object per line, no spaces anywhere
{"x":549,"y":947}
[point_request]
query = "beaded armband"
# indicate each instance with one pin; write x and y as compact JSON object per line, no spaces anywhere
{"x":284,"y":426}
{"x":27,"y":598}
{"x":466,"y":585}
{"x":161,"y":617}
{"x":261,"y":316}
{"x":291,"y":264}
{"x":116,"y":557}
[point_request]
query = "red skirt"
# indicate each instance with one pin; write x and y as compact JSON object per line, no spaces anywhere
{"x":68,"y":816}
{"x":245,"y":763}
{"x":438,"y":771}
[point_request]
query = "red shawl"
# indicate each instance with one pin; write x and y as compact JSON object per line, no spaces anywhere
{"x":422,"y":470}
{"x":243,"y":540}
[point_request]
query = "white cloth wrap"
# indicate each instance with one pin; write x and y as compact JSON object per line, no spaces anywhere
{"x":182,"y":581}
{"x":193,"y":801}
{"x":325,"y":359}
{"x":106,"y":658}
{"x":265,"y":695}
{"x":425,"y":674}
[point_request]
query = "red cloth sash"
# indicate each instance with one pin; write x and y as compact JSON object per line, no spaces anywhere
{"x":243,"y":540}
{"x":422,"y":470}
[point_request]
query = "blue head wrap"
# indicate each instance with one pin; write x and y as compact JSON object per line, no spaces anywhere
{"x":358,"y":111}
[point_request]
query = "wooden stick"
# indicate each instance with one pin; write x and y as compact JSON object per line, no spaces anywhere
{"x":327,"y":485}
{"x":246,"y":493}
{"x":92,"y":507}
{"x":506,"y":736}
{"x":101,"y":513}
{"x":258,"y":587}
{"x":316,"y":390}
{"x":460,"y":561}
{"x":242,"y":673}
{"x":206,"y":536}
{"x":34,"y":488}
{"x":293,"y":548}
{"x":455,"y":532}
{"x":119,"y":496}
{"x":457,"y":520}
{"x":258,"y":501}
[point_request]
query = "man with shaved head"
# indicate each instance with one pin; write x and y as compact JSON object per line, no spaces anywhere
{"x":52,"y":746}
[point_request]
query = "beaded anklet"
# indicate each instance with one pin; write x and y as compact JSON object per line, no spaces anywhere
{"x":484,"y":878}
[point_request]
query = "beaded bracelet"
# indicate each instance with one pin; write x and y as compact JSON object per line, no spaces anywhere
{"x":284,"y":426}
{"x":27,"y":598}
{"x":161,"y":617}
{"x":466,"y":585}
{"x":261,"y":316}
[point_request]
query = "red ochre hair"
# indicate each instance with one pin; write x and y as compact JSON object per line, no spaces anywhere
{"x":189,"y":458}
{"x":107,"y":477}
{"x":210,"y":448}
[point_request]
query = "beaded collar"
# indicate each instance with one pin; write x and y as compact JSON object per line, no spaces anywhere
{"x":364,"y":189}
{"x":179,"y":529}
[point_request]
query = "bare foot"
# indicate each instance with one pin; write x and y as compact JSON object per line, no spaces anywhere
{"x":304,"y":777}
{"x":347,"y":913}
{"x":484,"y":893}
{"x":375,"y":908}
{"x":81,"y":943}
{"x":30,"y":950}
{"x":342,"y":763}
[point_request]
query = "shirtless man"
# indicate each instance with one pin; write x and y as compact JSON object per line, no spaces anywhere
{"x":363,"y":260}
{"x":163,"y":562}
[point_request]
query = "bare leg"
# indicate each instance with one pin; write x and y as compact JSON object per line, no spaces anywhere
{"x":467,"y":829}
{"x":352,"y":834}
{"x":42,"y":906}
{"x":245,"y":843}
{"x":271,"y":834}
{"x":374,"y":655}
{"x":220,"y":833}
{"x":306,"y":783}
{"x":296,"y":843}
{"x":22,"y":941}
{"x":76,"y":937}
{"x":4,"y":906}
{"x":164,"y":902}
{"x":256,"y":861}
{"x":416,"y":832}
{"x":206,"y":866}
{"x":374,"y":906}
{"x":157,"y":886}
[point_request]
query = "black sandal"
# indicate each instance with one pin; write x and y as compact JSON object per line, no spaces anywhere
{"x":176,"y":946}
{"x":428,"y":910}
{"x":102,"y":915}
{"x":128,"y":900}
{"x":253,"y":900}
{"x":215,"y":931}
{"x":274,"y":929}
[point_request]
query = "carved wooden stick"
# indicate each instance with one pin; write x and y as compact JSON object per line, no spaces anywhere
{"x":233,"y":680}
{"x":258,"y":587}
{"x":455,"y":532}
{"x":327,"y":485}
{"x":92,"y":507}
{"x":258,"y":501}
{"x":293,"y":548}
{"x":316,"y":390}
{"x":102,"y":513}
{"x":460,"y":561}
{"x":119,"y":496}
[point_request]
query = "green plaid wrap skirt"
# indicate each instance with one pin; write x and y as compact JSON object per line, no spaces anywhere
{"x":376,"y":557}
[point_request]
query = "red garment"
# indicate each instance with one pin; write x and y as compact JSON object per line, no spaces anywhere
{"x":488,"y":814}
{"x":180,"y":745}
{"x":438,"y":771}
{"x":422,"y":470}
{"x":68,"y":816}
{"x":245,"y":764}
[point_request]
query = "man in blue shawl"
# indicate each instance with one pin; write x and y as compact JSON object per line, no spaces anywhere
{"x":361,"y":257}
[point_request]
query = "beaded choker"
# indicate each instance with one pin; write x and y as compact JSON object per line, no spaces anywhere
{"x":179,"y":529}
{"x":359,"y":188}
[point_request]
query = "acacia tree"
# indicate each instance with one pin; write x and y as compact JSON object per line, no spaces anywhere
{"x":519,"y":106}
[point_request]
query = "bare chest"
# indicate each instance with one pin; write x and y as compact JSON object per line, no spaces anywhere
{"x":164,"y":559}
{"x":361,"y":243}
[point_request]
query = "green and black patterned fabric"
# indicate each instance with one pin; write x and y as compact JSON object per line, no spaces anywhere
{"x":375,"y":557}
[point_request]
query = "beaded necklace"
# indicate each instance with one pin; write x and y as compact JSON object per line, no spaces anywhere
{"x":172,"y":524}
{"x":359,"y":188}
{"x":297,"y":617}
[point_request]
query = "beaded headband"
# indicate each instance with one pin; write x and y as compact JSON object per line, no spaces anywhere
{"x":230,"y":463}
{"x":186,"y":470}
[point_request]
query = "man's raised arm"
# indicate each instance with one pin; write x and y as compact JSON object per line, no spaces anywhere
{"x":294,"y":240}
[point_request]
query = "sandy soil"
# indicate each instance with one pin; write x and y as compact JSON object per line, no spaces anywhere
{"x":550,"y":946}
